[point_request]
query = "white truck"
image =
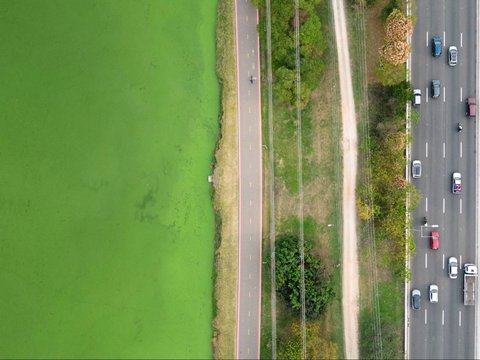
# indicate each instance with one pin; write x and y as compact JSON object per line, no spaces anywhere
{"x":469,"y":279}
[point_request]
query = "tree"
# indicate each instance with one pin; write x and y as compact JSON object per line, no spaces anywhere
{"x":318,"y":290}
{"x":397,"y":29}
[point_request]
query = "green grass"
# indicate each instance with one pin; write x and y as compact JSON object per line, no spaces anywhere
{"x":109,"y":122}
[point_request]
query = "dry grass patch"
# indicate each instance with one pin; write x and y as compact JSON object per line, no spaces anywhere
{"x":226,"y":191}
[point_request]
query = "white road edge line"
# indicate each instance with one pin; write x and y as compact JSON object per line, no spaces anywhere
{"x":426,"y":94}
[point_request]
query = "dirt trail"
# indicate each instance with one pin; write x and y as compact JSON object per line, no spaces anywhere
{"x":350,"y":290}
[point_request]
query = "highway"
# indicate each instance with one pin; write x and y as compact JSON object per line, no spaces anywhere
{"x":250,"y":181}
{"x":445,"y":330}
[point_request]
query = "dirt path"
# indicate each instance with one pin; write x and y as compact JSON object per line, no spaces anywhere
{"x":350,"y":291}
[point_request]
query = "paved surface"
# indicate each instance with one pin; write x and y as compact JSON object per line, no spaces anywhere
{"x":350,"y":289}
{"x":250,"y":183}
{"x":447,"y":329}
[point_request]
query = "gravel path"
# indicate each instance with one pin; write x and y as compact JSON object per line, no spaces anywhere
{"x":350,"y":289}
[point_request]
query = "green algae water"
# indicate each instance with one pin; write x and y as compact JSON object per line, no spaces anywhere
{"x":108,"y":123}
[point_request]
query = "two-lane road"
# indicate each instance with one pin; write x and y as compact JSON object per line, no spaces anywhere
{"x":250,"y":182}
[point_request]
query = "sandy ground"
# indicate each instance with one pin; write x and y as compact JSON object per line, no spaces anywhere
{"x":350,"y":276}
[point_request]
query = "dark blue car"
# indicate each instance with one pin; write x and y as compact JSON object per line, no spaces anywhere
{"x":436,"y":46}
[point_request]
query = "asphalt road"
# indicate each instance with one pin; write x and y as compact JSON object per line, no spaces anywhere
{"x":447,"y":329}
{"x":250,"y":182}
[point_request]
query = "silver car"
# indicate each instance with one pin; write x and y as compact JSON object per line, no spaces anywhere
{"x":452,"y":55}
{"x":417,"y":97}
{"x":433,"y":294}
{"x":452,"y":267}
{"x":416,"y":169}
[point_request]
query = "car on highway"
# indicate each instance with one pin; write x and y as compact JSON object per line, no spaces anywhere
{"x":433,"y":293}
{"x":457,"y":183}
{"x":435,"y":88}
{"x":416,"y":299}
{"x":452,"y":55}
{"x":417,"y":97}
{"x":452,"y":267}
{"x":416,"y":169}
{"x":471,"y":107}
{"x":434,"y":240}
{"x":436,"y":46}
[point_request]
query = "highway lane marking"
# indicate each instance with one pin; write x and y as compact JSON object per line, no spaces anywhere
{"x":251,"y":238}
{"x":426,"y":204}
{"x":247,"y":36}
{"x":250,"y":202}
{"x":248,"y":55}
{"x":248,"y":349}
{"x":249,"y":276}
{"x":461,"y":94}
{"x":443,"y":262}
{"x":459,"y":317}
{"x":460,"y":206}
{"x":249,"y":314}
{"x":444,"y":38}
{"x":248,"y":92}
{"x":443,"y":317}
{"x":444,"y":205}
{"x":250,"y":220}
{"x":248,"y":331}
{"x":250,"y":257}
{"x":249,"y":110}
{"x":461,"y":147}
{"x":426,"y":149}
{"x":444,"y":150}
{"x":249,"y":294}
{"x":250,"y":184}
{"x":461,"y":39}
{"x":426,"y":39}
{"x":460,"y":261}
{"x":444,"y":94}
{"x":426,"y":262}
{"x":426,"y":97}
{"x":425,"y":316}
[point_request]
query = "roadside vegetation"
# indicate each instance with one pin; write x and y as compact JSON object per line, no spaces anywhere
{"x":321,"y":171}
{"x":381,"y":93}
{"x":225,"y":191}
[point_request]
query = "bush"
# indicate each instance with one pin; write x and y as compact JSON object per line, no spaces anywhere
{"x":318,"y":290}
{"x":388,"y":74}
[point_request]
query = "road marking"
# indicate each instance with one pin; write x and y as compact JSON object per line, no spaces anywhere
{"x":460,"y":261}
{"x":461,"y":94}
{"x":250,"y":147}
{"x":444,"y":42}
{"x":250,"y":202}
{"x":444,"y":205}
{"x":249,"y":276}
{"x":250,"y":220}
{"x":249,"y":314}
{"x":461,"y":147}
{"x":248,"y":331}
{"x":426,"y":262}
{"x":426,"y":92}
{"x":426,"y":149}
{"x":444,"y":94}
{"x":461,"y":39}
{"x":460,"y":318}
{"x":249,"y":294}
{"x":425,"y":316}
{"x":250,"y":184}
{"x":250,"y":257}
{"x":253,"y":66}
{"x":248,"y":55}
{"x":426,"y":204}
{"x":249,"y":110}
{"x":248,"y":350}
{"x":460,"y":206}
{"x":443,"y":317}
{"x":426,"y":39}
{"x":444,"y":150}
{"x":251,"y":238}
{"x":443,"y":262}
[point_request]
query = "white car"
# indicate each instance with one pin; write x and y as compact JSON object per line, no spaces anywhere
{"x":417,"y":97}
{"x":433,"y":294}
{"x":452,"y":55}
{"x":416,"y":169}
{"x":452,"y":267}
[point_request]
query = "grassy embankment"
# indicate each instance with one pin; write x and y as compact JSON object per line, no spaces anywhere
{"x":226,"y":190}
{"x":321,"y":185}
{"x":381,"y":113}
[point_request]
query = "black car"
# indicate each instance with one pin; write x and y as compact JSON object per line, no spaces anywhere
{"x":436,"y":46}
{"x":416,"y":299}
